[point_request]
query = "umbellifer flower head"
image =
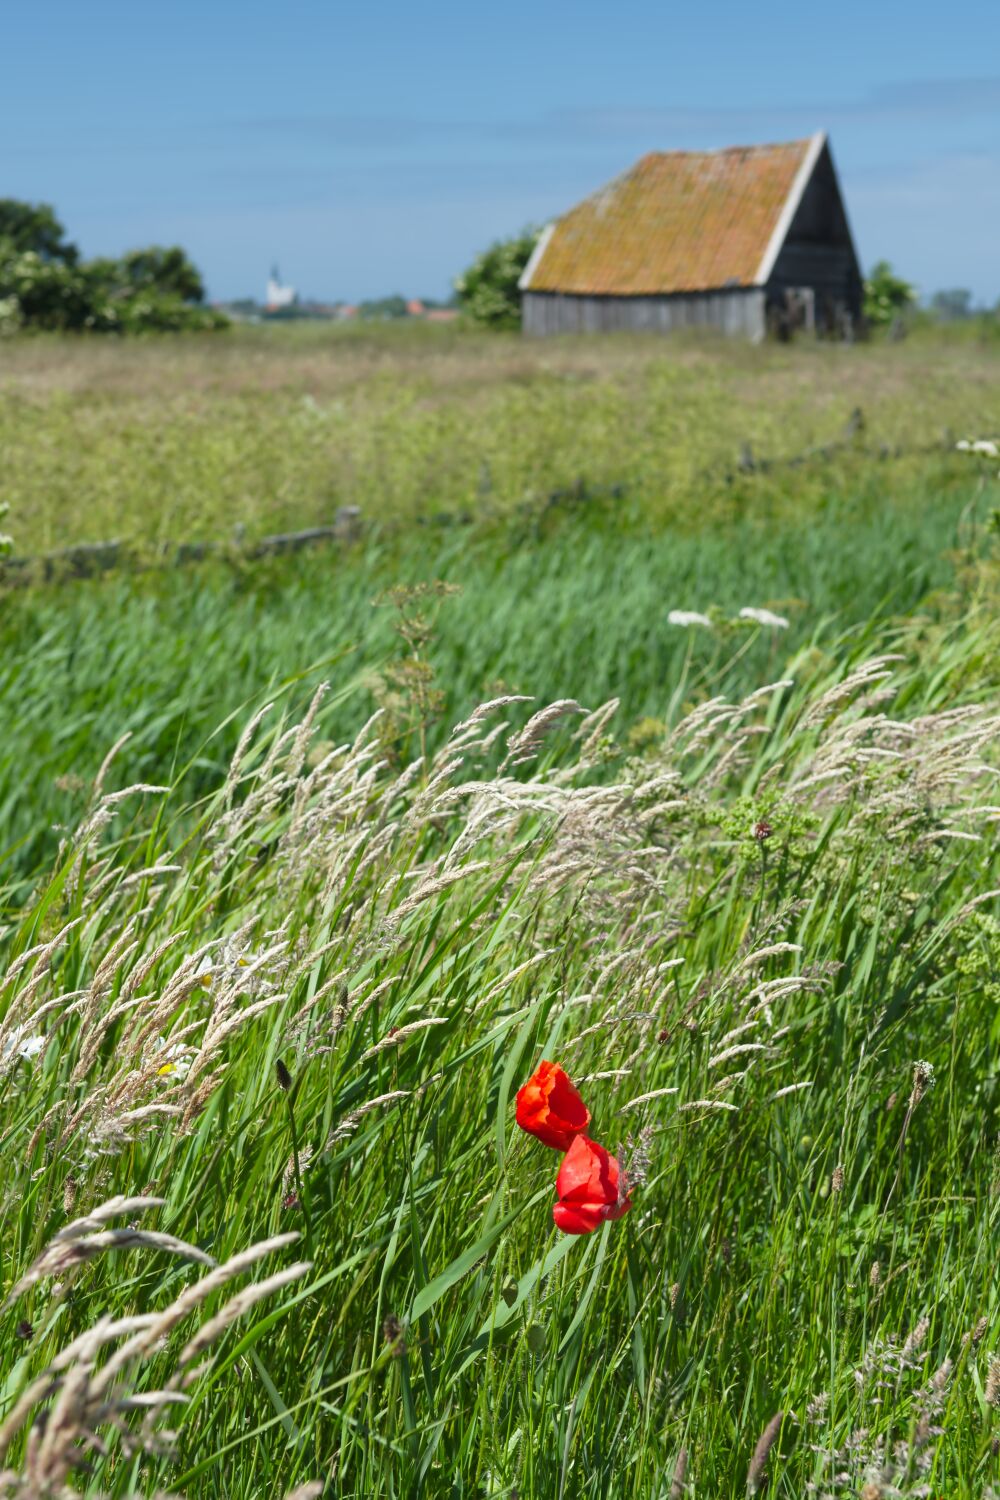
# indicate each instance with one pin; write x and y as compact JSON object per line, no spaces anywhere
{"x":764,"y":617}
{"x":686,"y":617}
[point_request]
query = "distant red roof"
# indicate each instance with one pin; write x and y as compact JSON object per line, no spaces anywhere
{"x":678,"y":221}
{"x":442,"y":315}
{"x":415,"y":307}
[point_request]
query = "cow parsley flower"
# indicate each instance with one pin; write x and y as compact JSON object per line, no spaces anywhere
{"x":688,"y":617}
{"x":764,"y":617}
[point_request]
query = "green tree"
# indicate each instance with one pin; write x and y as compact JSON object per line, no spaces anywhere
{"x":886,"y":295}
{"x":44,"y":284}
{"x":36,"y":292}
{"x":488,"y":291}
{"x":33,"y":228}
{"x":163,"y":269}
{"x":158,"y":289}
{"x":155,"y":311}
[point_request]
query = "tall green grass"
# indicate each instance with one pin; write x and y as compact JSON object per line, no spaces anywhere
{"x":276,"y":429}
{"x":552,"y":605}
{"x":291,"y":981}
{"x":447,"y":1340}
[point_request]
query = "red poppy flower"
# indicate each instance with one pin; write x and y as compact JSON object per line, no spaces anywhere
{"x":588,"y":1187}
{"x":549,"y":1107}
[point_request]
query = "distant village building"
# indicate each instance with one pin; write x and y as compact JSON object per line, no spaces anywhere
{"x":278,"y":296}
{"x":745,"y":239}
{"x":416,"y":307}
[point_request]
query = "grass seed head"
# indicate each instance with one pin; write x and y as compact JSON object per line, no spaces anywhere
{"x":756,"y":1473}
{"x":992,"y":1389}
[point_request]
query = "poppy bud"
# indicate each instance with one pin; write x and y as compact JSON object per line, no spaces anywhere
{"x":549,"y":1107}
{"x":590,"y":1188}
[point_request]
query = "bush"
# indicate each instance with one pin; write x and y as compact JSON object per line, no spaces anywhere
{"x":886,"y":295}
{"x":45,"y":285}
{"x":488,"y":291}
{"x":164,"y":312}
{"x":40,"y":293}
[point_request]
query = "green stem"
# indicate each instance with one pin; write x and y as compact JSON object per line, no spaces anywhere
{"x":299,"y":1188}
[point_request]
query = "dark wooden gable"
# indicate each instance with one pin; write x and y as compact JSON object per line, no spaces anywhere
{"x":818,"y":250}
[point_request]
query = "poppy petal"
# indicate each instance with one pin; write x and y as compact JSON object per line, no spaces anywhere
{"x":577,"y":1218}
{"x":586,"y":1173}
{"x":549,"y":1107}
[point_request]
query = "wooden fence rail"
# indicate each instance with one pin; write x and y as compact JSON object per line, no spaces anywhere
{"x":90,"y":559}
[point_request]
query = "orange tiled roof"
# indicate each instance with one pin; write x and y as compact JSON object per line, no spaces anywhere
{"x":678,"y":221}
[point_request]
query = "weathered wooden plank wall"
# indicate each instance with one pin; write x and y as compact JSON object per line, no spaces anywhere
{"x":735,"y":311}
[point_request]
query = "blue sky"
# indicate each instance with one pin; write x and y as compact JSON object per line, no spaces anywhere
{"x":374,"y":147}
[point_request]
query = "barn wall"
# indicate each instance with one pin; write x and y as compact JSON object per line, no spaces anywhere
{"x":740,"y":311}
{"x":818,"y":251}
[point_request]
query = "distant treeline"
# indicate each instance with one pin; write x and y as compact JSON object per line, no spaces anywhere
{"x":377,"y":309}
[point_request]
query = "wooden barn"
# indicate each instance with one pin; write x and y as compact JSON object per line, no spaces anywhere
{"x":747,"y":240}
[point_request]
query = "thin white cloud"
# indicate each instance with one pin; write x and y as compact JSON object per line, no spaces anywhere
{"x":916,"y":100}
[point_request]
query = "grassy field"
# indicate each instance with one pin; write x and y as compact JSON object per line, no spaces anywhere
{"x":279,"y":965}
{"x":272,"y":429}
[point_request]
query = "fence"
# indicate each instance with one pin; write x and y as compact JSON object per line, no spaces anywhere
{"x":90,"y":559}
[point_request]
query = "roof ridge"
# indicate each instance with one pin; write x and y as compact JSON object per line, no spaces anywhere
{"x":675,"y":221}
{"x":800,"y":142}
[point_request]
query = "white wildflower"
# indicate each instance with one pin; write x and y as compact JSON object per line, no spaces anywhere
{"x":205,"y":973}
{"x":18,"y":1045}
{"x":177,"y":1059}
{"x":222,"y":967}
{"x":764,"y":617}
{"x":688,"y":617}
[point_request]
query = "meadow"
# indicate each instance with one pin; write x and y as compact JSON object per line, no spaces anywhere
{"x":308,"y":861}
